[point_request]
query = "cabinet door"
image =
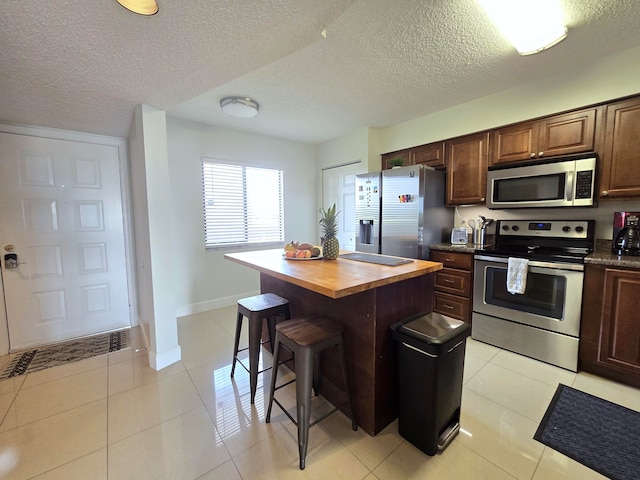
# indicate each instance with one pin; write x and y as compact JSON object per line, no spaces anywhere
{"x":404,"y":154}
{"x":620,"y":166}
{"x":431,"y":155}
{"x":566,"y":134}
{"x":620,"y":329}
{"x":467,"y":169}
{"x":514,"y":143}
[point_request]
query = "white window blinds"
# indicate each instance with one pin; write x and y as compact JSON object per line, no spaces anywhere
{"x":242,"y":205}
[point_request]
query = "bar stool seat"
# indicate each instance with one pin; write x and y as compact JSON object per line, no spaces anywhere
{"x":267,"y":306}
{"x":306,"y":338}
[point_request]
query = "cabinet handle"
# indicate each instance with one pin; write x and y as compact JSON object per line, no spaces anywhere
{"x":446,"y":280}
{"x":533,"y":155}
{"x":452,"y":260}
{"x":541,"y":154}
{"x":482,"y":199}
{"x":447,"y":306}
{"x":605,"y":193}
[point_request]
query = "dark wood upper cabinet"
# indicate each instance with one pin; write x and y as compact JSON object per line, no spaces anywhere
{"x":569,"y":133}
{"x":467,"y":169}
{"x":612,"y":130}
{"x":620,"y":160}
{"x":431,"y":155}
{"x":514,"y":143}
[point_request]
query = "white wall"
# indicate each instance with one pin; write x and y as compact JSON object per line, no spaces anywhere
{"x":203,"y":279}
{"x":151,"y":197}
{"x":604,"y":79}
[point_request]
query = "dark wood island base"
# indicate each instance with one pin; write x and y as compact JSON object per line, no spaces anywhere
{"x":366,"y":318}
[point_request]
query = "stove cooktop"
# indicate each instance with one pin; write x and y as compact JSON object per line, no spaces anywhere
{"x":546,"y":240}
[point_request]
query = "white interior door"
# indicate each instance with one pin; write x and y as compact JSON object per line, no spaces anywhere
{"x":339,"y":187}
{"x":61,"y":215}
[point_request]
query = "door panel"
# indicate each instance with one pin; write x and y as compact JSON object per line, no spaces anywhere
{"x":339,"y":187}
{"x":61,"y":213}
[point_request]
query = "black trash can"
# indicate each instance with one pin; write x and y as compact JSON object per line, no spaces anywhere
{"x":431,"y":351}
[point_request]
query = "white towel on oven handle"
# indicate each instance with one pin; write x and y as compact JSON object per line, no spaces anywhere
{"x":517,"y":275}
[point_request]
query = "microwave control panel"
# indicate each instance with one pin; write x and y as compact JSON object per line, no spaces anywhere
{"x":584,"y":184}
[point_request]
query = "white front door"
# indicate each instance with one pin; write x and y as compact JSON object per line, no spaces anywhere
{"x":339,"y":187}
{"x":61,"y":220}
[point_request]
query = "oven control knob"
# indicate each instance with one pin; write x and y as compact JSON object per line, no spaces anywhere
{"x":579,"y":229}
{"x":566,"y":229}
{"x":505,"y":227}
{"x":515,"y":228}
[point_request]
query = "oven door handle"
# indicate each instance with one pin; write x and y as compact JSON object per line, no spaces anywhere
{"x":534,"y":263}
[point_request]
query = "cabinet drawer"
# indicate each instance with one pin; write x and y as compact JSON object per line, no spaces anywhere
{"x":462,"y":261}
{"x":451,"y":306}
{"x":453,"y":281}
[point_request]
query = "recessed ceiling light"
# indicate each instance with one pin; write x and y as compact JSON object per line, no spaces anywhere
{"x":531,"y":25}
{"x":240,"y":107}
{"x":143,"y":7}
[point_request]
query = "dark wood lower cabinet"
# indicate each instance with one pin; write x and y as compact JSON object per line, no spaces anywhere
{"x":453,"y":285}
{"x":610,"y":329}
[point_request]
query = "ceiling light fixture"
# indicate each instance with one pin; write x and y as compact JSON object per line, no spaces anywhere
{"x":531,"y":25}
{"x":143,"y":7}
{"x":239,"y":107}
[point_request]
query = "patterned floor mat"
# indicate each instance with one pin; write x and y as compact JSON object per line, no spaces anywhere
{"x":66,"y":352}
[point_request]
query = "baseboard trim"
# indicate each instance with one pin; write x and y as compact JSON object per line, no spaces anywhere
{"x":158,"y":361}
{"x":212,"y":304}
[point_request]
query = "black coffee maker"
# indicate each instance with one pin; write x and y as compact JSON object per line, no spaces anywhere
{"x":626,"y":240}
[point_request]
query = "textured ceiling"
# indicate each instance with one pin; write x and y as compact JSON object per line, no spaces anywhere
{"x":84,"y":64}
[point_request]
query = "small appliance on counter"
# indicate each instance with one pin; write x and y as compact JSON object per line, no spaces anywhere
{"x":459,"y":236}
{"x":626,"y":233}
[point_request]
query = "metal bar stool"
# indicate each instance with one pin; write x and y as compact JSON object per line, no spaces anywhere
{"x":306,"y":338}
{"x":266,"y":306}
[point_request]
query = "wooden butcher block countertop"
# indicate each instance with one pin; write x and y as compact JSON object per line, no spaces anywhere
{"x":333,"y":278}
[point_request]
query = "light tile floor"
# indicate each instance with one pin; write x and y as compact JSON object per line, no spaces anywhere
{"x":112,"y":417}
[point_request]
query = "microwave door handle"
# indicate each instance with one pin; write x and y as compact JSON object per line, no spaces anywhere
{"x":568,"y":187}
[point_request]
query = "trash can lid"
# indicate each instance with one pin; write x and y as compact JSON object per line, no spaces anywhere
{"x":432,"y":326}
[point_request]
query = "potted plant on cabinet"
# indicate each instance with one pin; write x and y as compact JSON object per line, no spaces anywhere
{"x":396,"y":162}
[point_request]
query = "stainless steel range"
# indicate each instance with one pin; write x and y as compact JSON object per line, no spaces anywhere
{"x":544,"y":321}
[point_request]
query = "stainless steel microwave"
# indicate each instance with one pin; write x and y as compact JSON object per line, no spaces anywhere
{"x":560,"y":182}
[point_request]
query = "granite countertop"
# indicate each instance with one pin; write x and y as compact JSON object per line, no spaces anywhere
{"x":601,"y":256}
{"x":447,"y":247}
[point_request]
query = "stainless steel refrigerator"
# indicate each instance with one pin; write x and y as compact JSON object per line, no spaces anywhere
{"x":412,"y":213}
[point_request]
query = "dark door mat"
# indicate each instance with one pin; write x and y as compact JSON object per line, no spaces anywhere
{"x":374,"y":258}
{"x":65,"y":352}
{"x":599,"y":434}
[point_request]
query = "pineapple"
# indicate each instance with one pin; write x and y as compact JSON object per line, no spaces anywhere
{"x":329,"y":222}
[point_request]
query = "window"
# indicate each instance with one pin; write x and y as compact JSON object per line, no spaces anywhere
{"x":242,"y":205}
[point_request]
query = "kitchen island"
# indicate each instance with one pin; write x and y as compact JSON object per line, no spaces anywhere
{"x":366,"y":299}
